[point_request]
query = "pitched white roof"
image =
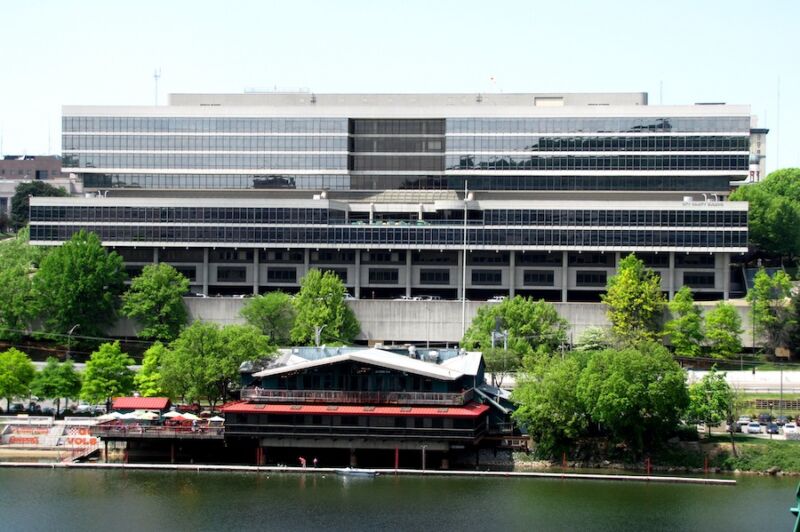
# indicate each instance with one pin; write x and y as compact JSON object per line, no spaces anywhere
{"x":385,"y":359}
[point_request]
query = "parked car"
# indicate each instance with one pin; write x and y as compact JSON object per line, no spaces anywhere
{"x":754,"y":427}
{"x":496,"y":299}
{"x":429,"y":298}
{"x":349,"y":297}
{"x":16,"y":408}
{"x":764,"y":418}
{"x":790,"y":428}
{"x":407,"y":298}
{"x":782,"y":420}
{"x":772,"y":428}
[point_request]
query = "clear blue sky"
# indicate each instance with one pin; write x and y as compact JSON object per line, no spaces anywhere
{"x":99,"y":52}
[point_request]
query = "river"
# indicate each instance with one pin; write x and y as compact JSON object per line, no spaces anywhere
{"x":139,"y":501}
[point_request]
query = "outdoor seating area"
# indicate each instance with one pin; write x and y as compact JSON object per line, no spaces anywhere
{"x":158,"y":424}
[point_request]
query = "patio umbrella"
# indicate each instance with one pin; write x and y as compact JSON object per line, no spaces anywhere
{"x":147,"y":416}
{"x":172,"y":413}
{"x":105,"y":417}
{"x":189,"y":415}
{"x":129,"y":415}
{"x":216,"y":418}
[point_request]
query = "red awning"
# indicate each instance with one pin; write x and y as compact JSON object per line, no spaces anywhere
{"x":140,"y":403}
{"x":471,"y":410}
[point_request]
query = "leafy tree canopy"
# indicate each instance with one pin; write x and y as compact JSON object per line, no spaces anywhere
{"x":57,"y":380}
{"x":723,"y":331}
{"x":320,"y":303}
{"x":533,"y":327}
{"x":685,"y":329}
{"x":107,"y":374}
{"x":593,"y":339}
{"x":635,"y":301}
{"x":20,"y":202}
{"x":18,"y":263}
{"x":79,"y":283}
{"x":16,"y":373}
{"x":148,"y":379}
{"x":155,"y":300}
{"x":769,"y":298}
{"x":710,"y":399}
{"x":273,"y":314}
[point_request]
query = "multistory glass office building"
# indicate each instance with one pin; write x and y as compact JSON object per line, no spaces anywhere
{"x":534,"y":194}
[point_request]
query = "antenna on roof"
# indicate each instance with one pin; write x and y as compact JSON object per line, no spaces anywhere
{"x":156,"y":77}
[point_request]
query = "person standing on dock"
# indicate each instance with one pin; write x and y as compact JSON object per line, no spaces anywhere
{"x":315,"y":462}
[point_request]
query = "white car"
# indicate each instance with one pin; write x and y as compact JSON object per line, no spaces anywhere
{"x":790,"y":428}
{"x":754,"y":427}
{"x":496,"y":299}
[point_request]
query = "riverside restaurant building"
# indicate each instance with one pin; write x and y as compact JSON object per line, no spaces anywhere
{"x":447,"y":195}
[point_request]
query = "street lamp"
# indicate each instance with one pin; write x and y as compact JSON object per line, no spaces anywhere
{"x":69,"y":340}
{"x":318,"y":333}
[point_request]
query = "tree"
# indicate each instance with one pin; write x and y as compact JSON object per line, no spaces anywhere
{"x":322,"y":314}
{"x":593,"y":339}
{"x":770,"y":313}
{"x":18,"y":263}
{"x":79,"y":283}
{"x":56,"y":381}
{"x":686,"y":327}
{"x":636,"y":395}
{"x":155,"y":300}
{"x":710,"y":399}
{"x":204,"y":360}
{"x":107,"y":374}
{"x":533,"y":327}
{"x":723,"y":331}
{"x":500,"y":362}
{"x":148,"y":379}
{"x":549,"y":406}
{"x":16,"y":374}
{"x":273,"y":314}
{"x":634,"y":300}
{"x":20,"y":202}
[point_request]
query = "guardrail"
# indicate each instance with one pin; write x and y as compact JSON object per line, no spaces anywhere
{"x":342,"y":397}
{"x":115,"y":431}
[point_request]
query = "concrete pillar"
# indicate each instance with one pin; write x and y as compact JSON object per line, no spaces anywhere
{"x":460,"y":274}
{"x":353,"y":459}
{"x":408,"y":272}
{"x":512,"y":274}
{"x":155,"y":255}
{"x":726,"y":275}
{"x":617,"y":258}
{"x":357,"y":283}
{"x":306,"y":261}
{"x":205,"y":271}
{"x":255,"y":272}
{"x":671,"y":275}
{"x":564,"y":275}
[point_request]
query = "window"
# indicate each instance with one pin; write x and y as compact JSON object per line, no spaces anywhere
{"x":487,"y":277}
{"x":590,"y":278}
{"x":698,"y":279}
{"x":434,"y":276}
{"x":281,"y":275}
{"x":339,"y":272}
{"x":190,"y":272}
{"x":696,"y":260}
{"x":384,"y":275}
{"x":538,"y":278}
{"x":231,"y":274}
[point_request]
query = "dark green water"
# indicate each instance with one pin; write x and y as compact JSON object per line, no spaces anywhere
{"x":143,"y":501}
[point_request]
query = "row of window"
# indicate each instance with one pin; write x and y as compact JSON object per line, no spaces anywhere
{"x":85,"y":124}
{"x":596,"y":162}
{"x":396,"y":163}
{"x":215,"y":161}
{"x":704,"y":124}
{"x":401,"y":237}
{"x":293,"y":216}
{"x":397,"y":126}
{"x":203,"y":143}
{"x":380,"y":182}
{"x":643,"y":143}
{"x":396,"y":144}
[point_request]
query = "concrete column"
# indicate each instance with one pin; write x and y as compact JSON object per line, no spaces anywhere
{"x":617,"y":258}
{"x":564,"y":275}
{"x":353,"y":459}
{"x":205,"y":271}
{"x":671,"y":275}
{"x":726,"y":275}
{"x":306,"y":261}
{"x":460,"y":274}
{"x":408,"y":272}
{"x":512,"y":274}
{"x":155,"y":255}
{"x":255,"y":272}
{"x":357,"y":283}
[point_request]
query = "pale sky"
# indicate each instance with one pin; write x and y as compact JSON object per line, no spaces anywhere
{"x":59,"y":52}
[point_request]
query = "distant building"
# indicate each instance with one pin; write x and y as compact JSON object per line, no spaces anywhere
{"x":30,"y":167}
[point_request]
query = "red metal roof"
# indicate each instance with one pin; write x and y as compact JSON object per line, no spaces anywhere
{"x":140,"y":403}
{"x":470,"y":410}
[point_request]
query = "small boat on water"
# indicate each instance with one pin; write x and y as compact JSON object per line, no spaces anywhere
{"x":355,"y":472}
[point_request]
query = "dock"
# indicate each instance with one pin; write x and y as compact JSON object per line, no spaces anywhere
{"x":383,"y":472}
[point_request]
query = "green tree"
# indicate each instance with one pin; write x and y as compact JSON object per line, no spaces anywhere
{"x":593,"y":339}
{"x":636,"y":395}
{"x":107,"y":374}
{"x":16,"y":374}
{"x":685,"y":329}
{"x":710,"y":399}
{"x":723,"y":331}
{"x":79,"y":283}
{"x":148,"y":379}
{"x":203,"y":362}
{"x":56,"y":381}
{"x":770,"y":311}
{"x":18,"y":263}
{"x":273,"y":314}
{"x":634,"y":300}
{"x":20,"y":202}
{"x":155,"y":300}
{"x":533,"y":327}
{"x":548,"y":403}
{"x":321,"y":311}
{"x":500,"y":362}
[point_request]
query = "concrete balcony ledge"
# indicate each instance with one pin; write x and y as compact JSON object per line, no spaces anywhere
{"x":261,"y":395}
